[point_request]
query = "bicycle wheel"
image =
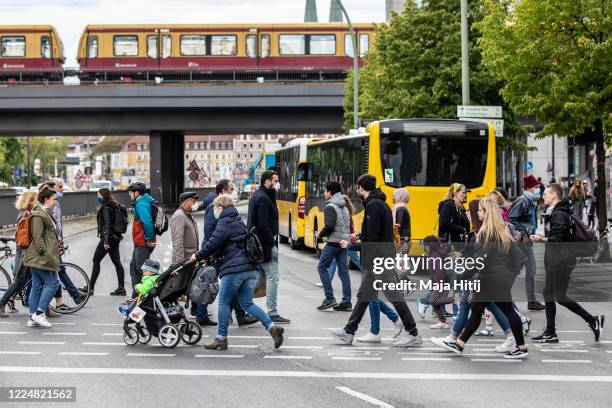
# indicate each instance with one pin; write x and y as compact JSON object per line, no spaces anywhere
{"x":5,"y":281}
{"x":79,"y":280}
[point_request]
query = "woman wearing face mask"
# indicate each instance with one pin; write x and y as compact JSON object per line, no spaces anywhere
{"x":110,"y":239}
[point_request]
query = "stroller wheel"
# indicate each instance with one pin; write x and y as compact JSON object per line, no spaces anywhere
{"x":168,"y":336}
{"x":144,"y":335}
{"x":130,"y":336}
{"x":191,"y":333}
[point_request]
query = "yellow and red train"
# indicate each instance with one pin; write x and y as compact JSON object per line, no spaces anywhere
{"x":167,"y":50}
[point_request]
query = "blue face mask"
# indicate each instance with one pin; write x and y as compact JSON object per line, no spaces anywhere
{"x":100,"y":200}
{"x":59,"y":194}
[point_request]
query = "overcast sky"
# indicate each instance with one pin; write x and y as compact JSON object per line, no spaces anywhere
{"x":70,"y":16}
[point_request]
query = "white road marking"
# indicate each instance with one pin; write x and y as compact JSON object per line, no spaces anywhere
{"x":491,"y":340}
{"x":10,"y":323}
{"x":12,"y":332}
{"x":567,"y":361}
{"x":310,"y":338}
{"x":99,"y":343}
{"x":358,"y":358}
{"x":440,"y":349}
{"x":441,"y":352}
{"x":364,"y":397}
{"x":290,"y":357}
{"x":364,"y":348}
{"x":63,"y":324}
{"x":565,"y":350}
{"x":106,"y":324}
{"x":243,"y":346}
{"x":112,"y":334}
{"x":483,"y":349}
{"x":519,"y":378}
{"x":219,"y":356}
{"x":303,"y":347}
{"x":249,"y":337}
{"x":574,"y":331}
{"x":25,"y":353}
{"x":63,"y":334}
{"x":78,"y":353}
{"x":42,"y":342}
{"x":427,"y":359}
{"x":497,"y":360}
{"x":149,"y":355}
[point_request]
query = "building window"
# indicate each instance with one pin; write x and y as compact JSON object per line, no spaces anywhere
{"x":92,"y":46}
{"x":13,"y":46}
{"x":45,"y":47}
{"x":223,"y":45}
{"x":192,"y":45}
{"x":125,"y":45}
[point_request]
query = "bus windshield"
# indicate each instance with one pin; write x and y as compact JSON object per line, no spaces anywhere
{"x":433,"y":159}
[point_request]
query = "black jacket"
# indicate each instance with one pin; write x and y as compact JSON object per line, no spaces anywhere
{"x":557,"y":228}
{"x":105,"y":216}
{"x":263,"y":215}
{"x":402,"y":218}
{"x":499,"y":272}
{"x":227,"y":242}
{"x":453,"y":222}
{"x":377,"y":223}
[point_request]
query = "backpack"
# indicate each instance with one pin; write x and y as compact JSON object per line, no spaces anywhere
{"x":120,"y":219}
{"x":253,"y":247}
{"x":585,"y":238}
{"x":160,"y":219}
{"x":23,"y":234}
{"x":204,"y":286}
{"x":525,"y":207}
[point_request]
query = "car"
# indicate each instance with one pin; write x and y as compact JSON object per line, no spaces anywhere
{"x":97,"y":185}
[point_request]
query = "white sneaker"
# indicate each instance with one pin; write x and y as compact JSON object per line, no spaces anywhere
{"x":370,"y":338}
{"x":508,"y":345}
{"x":31,"y":323}
{"x":399,"y":328}
{"x":41,"y":320}
{"x":439,"y":325}
{"x":341,"y":337}
{"x":526,"y":324}
{"x":319,"y":284}
{"x":408,"y":340}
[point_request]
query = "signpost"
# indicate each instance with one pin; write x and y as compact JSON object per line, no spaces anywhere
{"x":484,"y":114}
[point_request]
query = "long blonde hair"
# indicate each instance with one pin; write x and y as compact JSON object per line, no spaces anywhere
{"x":452,"y":190}
{"x":25,"y":199}
{"x":493,"y":229}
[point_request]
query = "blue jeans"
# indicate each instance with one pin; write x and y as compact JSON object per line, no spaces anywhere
{"x":375,"y":309}
{"x":270,"y":271}
{"x":44,"y":286}
{"x":353,"y":256}
{"x":464,"y":311}
{"x":65,"y":279}
{"x":530,"y":270}
{"x":328,"y":254}
{"x":201,"y":311}
{"x":243,"y":284}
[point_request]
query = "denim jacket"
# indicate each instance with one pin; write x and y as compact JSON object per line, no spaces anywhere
{"x":524,"y":220}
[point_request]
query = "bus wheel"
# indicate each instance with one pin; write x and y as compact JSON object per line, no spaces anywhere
{"x":283,"y":240}
{"x":316,"y":245}
{"x":295,"y":244}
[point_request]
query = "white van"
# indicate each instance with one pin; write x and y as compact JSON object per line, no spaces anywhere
{"x":97,"y":185}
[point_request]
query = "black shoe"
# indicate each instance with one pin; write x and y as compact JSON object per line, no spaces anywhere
{"x":327,"y":303}
{"x":118,"y":292}
{"x":597,"y":326}
{"x":447,"y":314}
{"x":247,"y":320}
{"x":82,"y":298}
{"x":194,"y":310}
{"x":535,"y":306}
{"x":207,"y":321}
{"x":62,"y":308}
{"x":344,"y":307}
{"x":517,"y":353}
{"x":84,"y":290}
{"x":546,"y":338}
{"x":277,"y":334}
{"x":278,"y":319}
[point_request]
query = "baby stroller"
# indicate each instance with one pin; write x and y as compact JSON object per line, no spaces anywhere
{"x":159,"y":314}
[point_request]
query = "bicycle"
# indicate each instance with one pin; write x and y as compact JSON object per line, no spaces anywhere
{"x":76,"y":278}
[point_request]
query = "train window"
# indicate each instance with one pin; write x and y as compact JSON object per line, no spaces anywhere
{"x":251,"y":45}
{"x":152,"y":46}
{"x":14,"y":46}
{"x":265,"y":46}
{"x":166,"y":45}
{"x":292,"y":44}
{"x":193,"y":45}
{"x":223,"y":45}
{"x":364,"y":44}
{"x":323,"y":44}
{"x":125,"y":45}
{"x":45,"y":46}
{"x":92,"y":47}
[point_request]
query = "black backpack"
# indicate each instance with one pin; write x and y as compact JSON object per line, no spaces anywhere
{"x":160,"y":219}
{"x":585,"y":240}
{"x":252,"y":246}
{"x":120,"y":219}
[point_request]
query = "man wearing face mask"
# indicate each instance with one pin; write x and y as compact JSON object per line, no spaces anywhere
{"x":523,"y":215}
{"x":185,"y":237}
{"x":263,"y":215}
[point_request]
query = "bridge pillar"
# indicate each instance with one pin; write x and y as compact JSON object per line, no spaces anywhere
{"x":167,"y":166}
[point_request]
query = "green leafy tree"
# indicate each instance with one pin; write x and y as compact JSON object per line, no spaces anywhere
{"x":11,"y":156}
{"x":415,"y":69}
{"x":47,"y":150}
{"x":555,"y":58}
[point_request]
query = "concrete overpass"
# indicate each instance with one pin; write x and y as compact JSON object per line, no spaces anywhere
{"x":167,"y":113}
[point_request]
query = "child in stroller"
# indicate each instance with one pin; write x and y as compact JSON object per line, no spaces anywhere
{"x":156,"y":312}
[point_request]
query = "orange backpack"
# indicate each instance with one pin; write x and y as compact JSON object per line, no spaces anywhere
{"x":23,"y":235}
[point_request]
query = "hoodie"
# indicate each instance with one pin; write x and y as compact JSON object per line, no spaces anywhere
{"x":143,"y":229}
{"x":557,"y":228}
{"x":377,"y":223}
{"x":337,"y":221}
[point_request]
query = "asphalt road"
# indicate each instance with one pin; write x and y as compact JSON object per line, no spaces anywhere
{"x":86,"y":351}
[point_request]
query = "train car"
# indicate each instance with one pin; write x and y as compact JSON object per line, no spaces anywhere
{"x":221,"y":51}
{"x":30,"y":53}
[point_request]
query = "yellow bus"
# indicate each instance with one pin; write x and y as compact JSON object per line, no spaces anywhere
{"x":423,"y":155}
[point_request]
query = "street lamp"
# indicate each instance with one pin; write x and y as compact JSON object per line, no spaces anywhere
{"x":355,"y":67}
{"x":465,"y":60}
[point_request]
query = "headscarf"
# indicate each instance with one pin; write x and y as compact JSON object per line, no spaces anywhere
{"x":400,"y":199}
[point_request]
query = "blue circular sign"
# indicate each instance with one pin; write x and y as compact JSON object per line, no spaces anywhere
{"x":528,"y":165}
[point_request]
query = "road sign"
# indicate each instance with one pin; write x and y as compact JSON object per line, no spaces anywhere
{"x":80,"y":175}
{"x":468,"y":111}
{"x":194,"y":175}
{"x":78,"y":183}
{"x":193,"y":166}
{"x":528,"y":165}
{"x":498,"y":124}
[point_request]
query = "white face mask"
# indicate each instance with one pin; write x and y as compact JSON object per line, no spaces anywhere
{"x":195,"y":206}
{"x":234,"y":196}
{"x":277,"y":187}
